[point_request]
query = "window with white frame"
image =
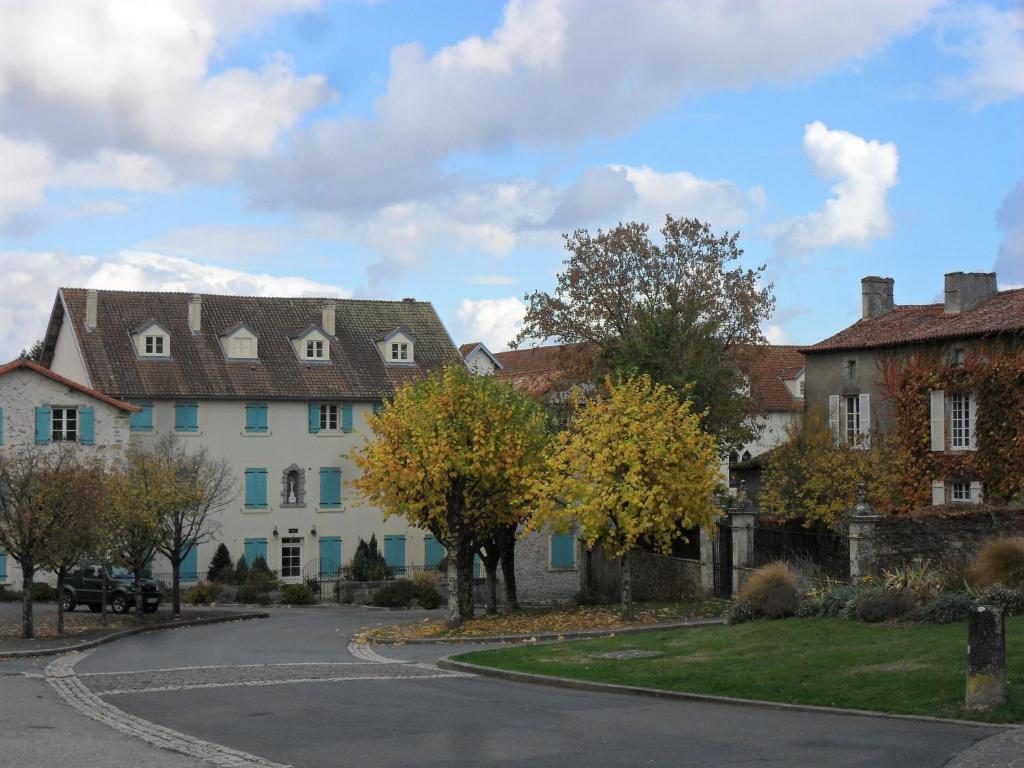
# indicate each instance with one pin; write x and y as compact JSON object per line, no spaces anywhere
{"x":153,"y":345}
{"x":291,"y":557}
{"x":399,"y":351}
{"x":328,"y":417}
{"x":960,"y":492}
{"x":960,"y":420}
{"x":64,"y":425}
{"x":315,"y":349}
{"x":853,"y":420}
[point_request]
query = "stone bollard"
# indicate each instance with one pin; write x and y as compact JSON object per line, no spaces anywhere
{"x":986,"y":658}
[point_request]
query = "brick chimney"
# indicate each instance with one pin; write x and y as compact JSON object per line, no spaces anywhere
{"x":327,"y":317}
{"x":92,"y":301}
{"x":195,"y":313}
{"x":876,"y":296}
{"x":967,"y":290}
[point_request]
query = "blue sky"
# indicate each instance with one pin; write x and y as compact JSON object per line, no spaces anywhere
{"x":439,"y":150}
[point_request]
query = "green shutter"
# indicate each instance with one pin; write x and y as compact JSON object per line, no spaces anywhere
{"x":3,"y":566}
{"x":190,"y":565}
{"x":378,"y":409}
{"x":314,"y":417}
{"x":478,"y":567}
{"x":563,"y":551}
{"x":42,"y":425}
{"x":143,"y":420}
{"x":256,"y":417}
{"x":87,"y":425}
{"x":330,"y":555}
{"x":330,"y":487}
{"x":433,"y":551}
{"x":346,"y":417}
{"x":255,"y":548}
{"x":394,"y":552}
{"x":186,"y":417}
{"x":255,"y":488}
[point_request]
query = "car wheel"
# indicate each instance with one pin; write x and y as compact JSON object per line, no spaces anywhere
{"x":119,"y":604}
{"x":95,"y":608}
{"x":68,"y":601}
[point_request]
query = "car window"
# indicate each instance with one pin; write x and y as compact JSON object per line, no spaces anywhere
{"x":94,"y":572}
{"x":118,"y":572}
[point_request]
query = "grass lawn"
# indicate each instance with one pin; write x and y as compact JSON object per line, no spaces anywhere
{"x":542,"y":620}
{"x":908,"y":669}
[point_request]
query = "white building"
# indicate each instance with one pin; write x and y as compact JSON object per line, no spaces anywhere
{"x":279,"y":387}
{"x":43,"y":411}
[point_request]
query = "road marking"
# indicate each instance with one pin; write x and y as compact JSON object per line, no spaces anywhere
{"x":256,"y":683}
{"x":366,"y":653}
{"x":220,"y":666}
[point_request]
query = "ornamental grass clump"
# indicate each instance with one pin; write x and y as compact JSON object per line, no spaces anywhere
{"x":771,"y":589}
{"x":1001,"y":561}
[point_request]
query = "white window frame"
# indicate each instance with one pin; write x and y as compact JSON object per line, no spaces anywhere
{"x":851,"y":429}
{"x":291,"y":564}
{"x":961,"y":421}
{"x":153,"y":345}
{"x":330,"y":413}
{"x":960,"y":492}
{"x":400,"y":351}
{"x":63,"y":429}
{"x":316,"y":349}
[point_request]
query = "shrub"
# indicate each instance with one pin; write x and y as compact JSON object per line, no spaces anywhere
{"x":834,"y":603}
{"x":918,"y":578}
{"x":403,"y":593}
{"x":741,"y":611}
{"x":1001,"y":561}
{"x":43,"y":592}
{"x":261,"y":577}
{"x":1011,"y":600}
{"x":368,"y":564}
{"x":241,"y":574}
{"x":876,"y":605}
{"x":947,"y":608}
{"x":247,"y":593}
{"x":203,"y":593}
{"x":772,"y":590}
{"x":808,"y":609}
{"x":297,"y":594}
{"x":221,"y":568}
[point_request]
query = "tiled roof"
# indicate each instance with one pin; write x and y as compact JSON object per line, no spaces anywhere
{"x":465,"y":349}
{"x":910,"y":324}
{"x":17,"y":365}
{"x":198,"y":368}
{"x":769,"y":369}
{"x":539,"y":370}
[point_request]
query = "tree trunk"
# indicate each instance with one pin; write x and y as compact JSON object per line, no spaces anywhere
{"x":507,"y":542}
{"x":60,"y":602}
{"x":176,"y":586}
{"x":453,"y":594}
{"x":137,"y":591}
{"x":465,"y":575}
{"x":103,"y":596}
{"x":491,"y":569}
{"x":27,"y":627}
{"x":627,"y":589}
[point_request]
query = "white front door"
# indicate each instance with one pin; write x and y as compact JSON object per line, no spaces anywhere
{"x":291,"y":560}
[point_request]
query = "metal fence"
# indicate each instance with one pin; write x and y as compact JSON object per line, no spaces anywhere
{"x":323,"y":576}
{"x":814,"y":554}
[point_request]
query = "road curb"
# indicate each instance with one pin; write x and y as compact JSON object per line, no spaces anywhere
{"x":541,"y":636}
{"x":586,"y":685}
{"x":4,"y":655}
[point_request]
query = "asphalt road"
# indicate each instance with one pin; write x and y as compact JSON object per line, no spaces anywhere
{"x":286,"y":689}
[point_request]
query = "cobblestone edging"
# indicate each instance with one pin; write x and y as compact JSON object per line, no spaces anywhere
{"x":61,"y":677}
{"x":586,"y":685}
{"x":88,"y":644}
{"x":582,"y":633}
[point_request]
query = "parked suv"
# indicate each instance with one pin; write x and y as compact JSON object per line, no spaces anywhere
{"x":84,"y":586}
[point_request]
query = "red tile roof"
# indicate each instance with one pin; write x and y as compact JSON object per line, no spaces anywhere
{"x":16,"y":365}
{"x":771,"y":367}
{"x":914,"y":324}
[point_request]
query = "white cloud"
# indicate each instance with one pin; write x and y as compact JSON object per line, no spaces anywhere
{"x":776,"y":334}
{"x":490,"y":280}
{"x":1010,"y":218}
{"x":31,"y":281}
{"x":25,"y":169}
{"x":101,"y":208}
{"x":992,"y":42}
{"x":864,"y":171}
{"x":719,"y":202}
{"x":495,"y":322}
{"x":223,"y":243}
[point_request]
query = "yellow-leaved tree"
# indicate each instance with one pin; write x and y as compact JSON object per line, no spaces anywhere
{"x":455,"y":454}
{"x":633,"y":466}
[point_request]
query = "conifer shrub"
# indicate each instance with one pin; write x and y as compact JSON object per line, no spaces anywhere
{"x":406,"y":592}
{"x":772,"y":590}
{"x":241,"y":575}
{"x":368,"y":563}
{"x":221,"y":568}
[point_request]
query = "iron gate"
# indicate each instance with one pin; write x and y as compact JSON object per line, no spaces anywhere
{"x":721,"y":549}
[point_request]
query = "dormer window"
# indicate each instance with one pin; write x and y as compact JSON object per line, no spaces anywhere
{"x":154,"y":345}
{"x":152,"y":340}
{"x":399,"y":351}
{"x":398,"y":347}
{"x":315,"y":350}
{"x":240,"y":343}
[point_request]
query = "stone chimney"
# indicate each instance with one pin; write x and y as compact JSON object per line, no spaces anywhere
{"x":327,"y":315}
{"x":876,"y":296}
{"x":195,"y":313}
{"x":967,"y":290}
{"x":92,"y":301}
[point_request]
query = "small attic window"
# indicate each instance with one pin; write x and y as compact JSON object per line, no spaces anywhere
{"x":399,"y":351}
{"x":315,"y":349}
{"x":154,"y":345}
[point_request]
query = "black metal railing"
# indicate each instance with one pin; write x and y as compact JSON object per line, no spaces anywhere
{"x":816,"y":554}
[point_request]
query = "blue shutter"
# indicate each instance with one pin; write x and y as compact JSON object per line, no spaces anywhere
{"x":394,"y":552}
{"x":563,"y":551}
{"x":43,"y":425}
{"x":330,"y":487}
{"x":256,"y":417}
{"x":478,"y":566}
{"x":314,"y":417}
{"x":330,"y":555}
{"x":186,"y":417}
{"x":190,"y":565}
{"x":378,"y":409}
{"x":143,"y":420}
{"x":255,"y":548}
{"x":3,"y":566}
{"x":256,"y":488}
{"x":346,"y":417}
{"x":1,"y":426}
{"x":87,"y":425}
{"x":433,"y":551}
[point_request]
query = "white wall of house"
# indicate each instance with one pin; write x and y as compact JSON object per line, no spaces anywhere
{"x":480,"y":362}
{"x":287,"y":442}
{"x":24,"y":390}
{"x":67,"y":359}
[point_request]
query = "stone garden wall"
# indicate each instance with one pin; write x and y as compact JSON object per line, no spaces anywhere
{"x":655,"y":577}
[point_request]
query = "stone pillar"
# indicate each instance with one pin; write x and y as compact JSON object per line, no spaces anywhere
{"x":742,"y":519}
{"x":986,"y":658}
{"x":863,"y":525}
{"x":707,"y":564}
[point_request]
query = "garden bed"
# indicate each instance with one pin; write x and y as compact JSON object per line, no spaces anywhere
{"x":530,"y":621}
{"x":912,"y":669}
